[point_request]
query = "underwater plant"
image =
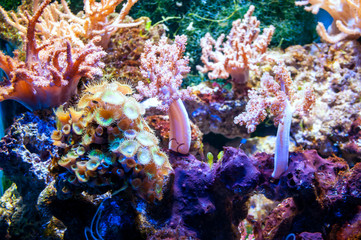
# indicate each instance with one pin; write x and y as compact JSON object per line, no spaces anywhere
{"x":165,"y":67}
{"x":241,"y":52}
{"x":106,"y":144}
{"x":278,"y":97}
{"x":50,"y":73}
{"x":346,"y":18}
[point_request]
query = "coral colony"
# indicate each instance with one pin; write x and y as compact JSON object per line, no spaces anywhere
{"x":242,"y":51}
{"x":115,"y":141}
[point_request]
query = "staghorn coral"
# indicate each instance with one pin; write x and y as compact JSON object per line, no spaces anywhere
{"x":241,"y":52}
{"x":106,"y":144}
{"x":346,"y":18}
{"x":50,"y":73}
{"x":165,"y":67}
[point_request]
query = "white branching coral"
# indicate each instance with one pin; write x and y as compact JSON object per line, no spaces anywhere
{"x":276,"y":96}
{"x":241,"y":52}
{"x":271,"y":98}
{"x":59,"y":21}
{"x":346,"y":16}
{"x":165,"y":66}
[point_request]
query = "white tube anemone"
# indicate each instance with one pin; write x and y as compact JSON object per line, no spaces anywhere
{"x":282,"y":143}
{"x":180,"y":128}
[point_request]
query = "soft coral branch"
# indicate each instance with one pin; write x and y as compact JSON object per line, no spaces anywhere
{"x":58,"y":20}
{"x":51,"y":72}
{"x":165,"y":67}
{"x":277,"y":97}
{"x":241,"y":52}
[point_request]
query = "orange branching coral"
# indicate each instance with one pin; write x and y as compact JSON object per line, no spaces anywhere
{"x":51,"y":72}
{"x":51,"y":23}
{"x":346,"y":18}
{"x":59,"y":21}
{"x":243,"y":50}
{"x":106,"y":142}
{"x":272,"y":98}
{"x":95,"y":20}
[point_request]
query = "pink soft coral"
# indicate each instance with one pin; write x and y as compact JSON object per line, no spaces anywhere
{"x":243,"y":50}
{"x":276,"y":96}
{"x":50,"y":73}
{"x":165,"y":67}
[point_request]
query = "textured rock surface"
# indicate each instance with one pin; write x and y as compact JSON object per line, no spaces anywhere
{"x":25,"y":153}
{"x":319,"y":195}
{"x":206,"y":203}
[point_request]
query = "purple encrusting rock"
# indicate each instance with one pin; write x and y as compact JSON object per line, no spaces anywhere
{"x":317,"y":194}
{"x":207,"y":203}
{"x":198,"y":202}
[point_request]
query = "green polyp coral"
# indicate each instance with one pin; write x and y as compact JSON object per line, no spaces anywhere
{"x":105,"y":145}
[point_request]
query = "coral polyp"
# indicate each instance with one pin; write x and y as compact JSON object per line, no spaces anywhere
{"x":105,"y":144}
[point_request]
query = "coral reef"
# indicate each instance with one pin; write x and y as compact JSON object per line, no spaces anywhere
{"x":201,"y":203}
{"x":333,"y":72}
{"x":165,"y":65}
{"x":106,"y":144}
{"x":195,"y":18}
{"x":94,"y":168}
{"x":319,"y":195}
{"x":241,"y":52}
{"x":59,"y":21}
{"x":125,"y":48}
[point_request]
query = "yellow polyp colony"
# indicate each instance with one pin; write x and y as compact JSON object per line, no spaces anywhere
{"x":105,"y":142}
